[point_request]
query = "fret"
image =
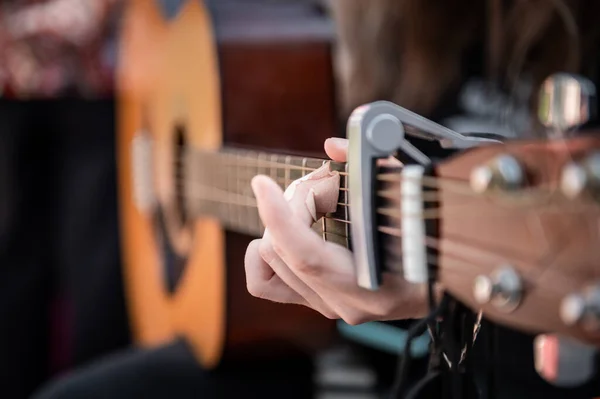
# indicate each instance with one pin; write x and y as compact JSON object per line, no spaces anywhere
{"x":304,"y":167}
{"x":261,"y":169}
{"x":311,"y":163}
{"x":229,"y":172}
{"x":335,"y":227}
{"x":229,"y":183}
{"x":344,"y":199}
{"x":240,"y":210}
{"x":281,"y":172}
{"x":323,"y":224}
{"x":217,"y":181}
{"x":254,"y":224}
{"x":263,"y":164}
{"x":273,"y":166}
{"x":296,"y":169}
{"x":287,"y":181}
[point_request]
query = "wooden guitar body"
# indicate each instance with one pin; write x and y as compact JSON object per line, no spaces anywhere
{"x":180,"y":86}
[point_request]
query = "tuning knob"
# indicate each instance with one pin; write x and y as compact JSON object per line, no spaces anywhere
{"x":504,"y":289}
{"x":563,"y":362}
{"x":582,"y":177}
{"x":582,"y":309}
{"x":566,"y":101}
{"x":502,"y":173}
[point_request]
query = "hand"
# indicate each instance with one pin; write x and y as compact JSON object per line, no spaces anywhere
{"x":292,"y":264}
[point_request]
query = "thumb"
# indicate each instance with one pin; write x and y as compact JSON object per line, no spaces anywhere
{"x":337,"y":149}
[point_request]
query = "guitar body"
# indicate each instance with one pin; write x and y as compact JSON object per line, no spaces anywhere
{"x":180,"y":86}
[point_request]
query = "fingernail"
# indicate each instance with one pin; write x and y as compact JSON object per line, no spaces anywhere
{"x":338,"y":142}
{"x":256,"y":185}
{"x":260,"y":185}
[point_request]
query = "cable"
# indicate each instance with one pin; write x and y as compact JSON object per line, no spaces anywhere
{"x":416,"y":330}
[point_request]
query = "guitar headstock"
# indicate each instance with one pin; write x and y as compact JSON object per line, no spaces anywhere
{"x":510,"y":228}
{"x":519,"y":233}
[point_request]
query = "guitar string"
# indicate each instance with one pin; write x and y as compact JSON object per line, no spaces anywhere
{"x":434,"y":213}
{"x":468,"y":266}
{"x":507,"y":254}
{"x":485,"y":256}
{"x":454,"y":185}
{"x":534,"y":198}
{"x":261,"y":161}
{"x":534,"y":194}
{"x":393,"y":212}
{"x":456,"y":263}
{"x":385,"y":177}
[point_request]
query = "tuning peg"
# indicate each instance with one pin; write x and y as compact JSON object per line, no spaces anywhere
{"x":566,"y":101}
{"x":563,"y":362}
{"x":504,"y":289}
{"x":503,"y":173}
{"x":580,"y":177}
{"x":582,"y":309}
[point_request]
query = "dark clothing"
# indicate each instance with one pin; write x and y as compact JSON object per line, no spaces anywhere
{"x":504,"y":366}
{"x":60,"y":277}
{"x":172,"y":372}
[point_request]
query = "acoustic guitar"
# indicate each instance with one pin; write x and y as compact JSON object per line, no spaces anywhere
{"x":194,"y":82}
{"x":515,"y":224}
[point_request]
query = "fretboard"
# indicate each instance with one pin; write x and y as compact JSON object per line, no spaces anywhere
{"x":218,"y":184}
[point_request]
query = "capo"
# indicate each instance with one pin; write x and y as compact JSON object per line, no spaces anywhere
{"x":375,"y":131}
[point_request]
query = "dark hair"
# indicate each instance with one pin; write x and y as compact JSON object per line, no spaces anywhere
{"x":413,"y":52}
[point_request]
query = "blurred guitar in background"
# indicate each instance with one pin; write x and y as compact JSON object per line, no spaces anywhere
{"x":198,"y":77}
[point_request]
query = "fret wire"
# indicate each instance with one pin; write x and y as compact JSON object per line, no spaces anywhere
{"x":228,"y":180}
{"x":258,"y":222}
{"x":287,"y":171}
{"x":221,"y":208}
{"x":239,"y":212}
{"x":324,"y":224}
{"x":273,"y":170}
{"x":261,"y":162}
{"x":346,"y":208}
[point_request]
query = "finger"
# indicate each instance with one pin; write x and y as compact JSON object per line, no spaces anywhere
{"x":314,"y":195}
{"x":395,"y":299}
{"x":263,"y":283}
{"x":298,"y":246}
{"x":337,"y":149}
{"x":326,"y":268}
{"x":270,"y":256}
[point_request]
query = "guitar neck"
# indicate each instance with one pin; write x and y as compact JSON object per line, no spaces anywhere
{"x":218,"y":184}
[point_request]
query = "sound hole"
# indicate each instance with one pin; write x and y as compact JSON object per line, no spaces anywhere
{"x":180,"y":146}
{"x":173,"y":263}
{"x":170,"y":8}
{"x":173,"y":225}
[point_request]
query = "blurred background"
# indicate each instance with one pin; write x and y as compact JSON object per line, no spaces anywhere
{"x":291,"y":73}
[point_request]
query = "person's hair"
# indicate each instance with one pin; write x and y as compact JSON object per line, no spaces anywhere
{"x":412,"y":52}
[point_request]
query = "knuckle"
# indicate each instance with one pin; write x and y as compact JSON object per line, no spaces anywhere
{"x":267,"y":252}
{"x":355,"y":319}
{"x":252,"y":249}
{"x":385,"y":308}
{"x":309,"y":263}
{"x":330,"y":315}
{"x":255,"y":288}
